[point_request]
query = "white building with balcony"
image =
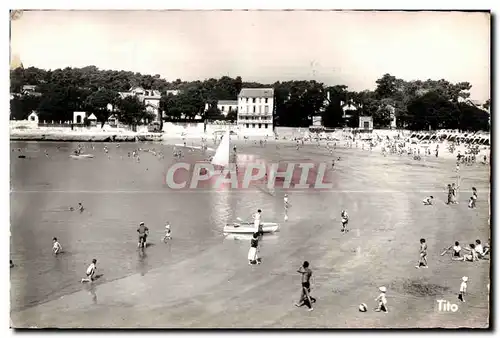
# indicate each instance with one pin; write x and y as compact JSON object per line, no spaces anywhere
{"x":225,"y":106}
{"x":150,"y":98}
{"x":256,"y":111}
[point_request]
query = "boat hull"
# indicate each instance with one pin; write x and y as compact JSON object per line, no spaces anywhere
{"x":249,"y":228}
{"x":82,"y":156}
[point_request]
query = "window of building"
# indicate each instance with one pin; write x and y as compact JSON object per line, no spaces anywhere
{"x":253,"y":125}
{"x":266,"y":100}
{"x":248,"y":125}
{"x":266,"y":125}
{"x":254,"y":100}
{"x":266,"y":109}
{"x":222,"y":108}
{"x":248,"y":100}
{"x":260,"y":109}
{"x":254,"y":109}
{"x":260,"y":125}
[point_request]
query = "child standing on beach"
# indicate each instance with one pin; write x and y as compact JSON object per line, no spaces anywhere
{"x":168,"y":234}
{"x":422,"y":261}
{"x":345,"y":220}
{"x":463,"y":289}
{"x":382,"y":300}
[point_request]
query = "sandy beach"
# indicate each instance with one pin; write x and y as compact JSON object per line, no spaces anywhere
{"x":202,"y":280}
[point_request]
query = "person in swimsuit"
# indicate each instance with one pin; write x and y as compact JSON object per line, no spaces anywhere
{"x":91,"y":270}
{"x":345,"y":220}
{"x":285,"y":202}
{"x":454,"y":189}
{"x":456,"y":249}
{"x":56,"y":247}
{"x":168,"y":233}
{"x":428,"y":200}
{"x":481,"y":252}
{"x":80,"y":207}
{"x":305,"y":295}
{"x":143,"y":234}
{"x":471,"y":257}
{"x":450,"y":194}
{"x":422,"y":261}
{"x":256,"y":223}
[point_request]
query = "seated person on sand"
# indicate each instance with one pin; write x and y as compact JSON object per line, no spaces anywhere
{"x":428,"y":200}
{"x":472,"y":203}
{"x":471,"y":257}
{"x":481,"y":252}
{"x":456,"y":250}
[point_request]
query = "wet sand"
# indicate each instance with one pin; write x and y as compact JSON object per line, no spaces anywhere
{"x":211,"y":284}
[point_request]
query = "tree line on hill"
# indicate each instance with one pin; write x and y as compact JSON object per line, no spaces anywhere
{"x":417,"y":105}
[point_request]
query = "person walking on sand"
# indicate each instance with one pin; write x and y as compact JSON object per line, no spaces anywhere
{"x":463,"y":289}
{"x":422,"y":261}
{"x":91,"y":271}
{"x":382,"y":300}
{"x":305,"y":295}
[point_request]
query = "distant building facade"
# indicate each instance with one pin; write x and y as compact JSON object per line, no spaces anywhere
{"x":225,"y":106}
{"x":150,"y":98}
{"x":256,"y":110}
{"x":174,"y":92}
{"x":366,"y":123}
{"x":30,"y":90}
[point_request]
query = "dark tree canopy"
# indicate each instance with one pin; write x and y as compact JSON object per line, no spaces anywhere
{"x":416,"y":104}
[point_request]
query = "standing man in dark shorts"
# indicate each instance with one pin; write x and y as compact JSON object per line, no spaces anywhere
{"x":305,"y":296}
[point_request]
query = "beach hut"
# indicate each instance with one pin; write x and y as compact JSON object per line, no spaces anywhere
{"x":33,"y":117}
{"x":92,"y":119}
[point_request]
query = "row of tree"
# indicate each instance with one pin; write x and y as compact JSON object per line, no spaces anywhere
{"x":417,"y":105}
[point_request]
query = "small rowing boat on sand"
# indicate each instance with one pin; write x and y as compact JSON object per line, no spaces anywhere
{"x":249,"y":228}
{"x":81,"y":156}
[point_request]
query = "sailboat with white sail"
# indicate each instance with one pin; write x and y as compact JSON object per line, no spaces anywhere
{"x":221,"y":157}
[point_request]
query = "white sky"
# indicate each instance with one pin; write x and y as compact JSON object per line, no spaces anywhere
{"x":351,"y":48}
